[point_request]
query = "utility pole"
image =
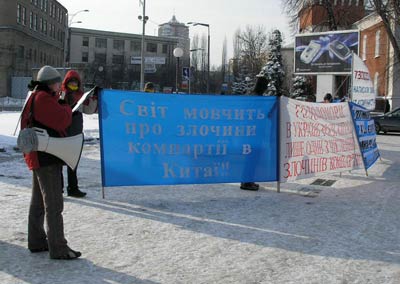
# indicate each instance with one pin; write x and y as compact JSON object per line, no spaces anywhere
{"x":144,"y":19}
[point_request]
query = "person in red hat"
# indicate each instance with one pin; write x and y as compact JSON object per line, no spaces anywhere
{"x":72,"y":91}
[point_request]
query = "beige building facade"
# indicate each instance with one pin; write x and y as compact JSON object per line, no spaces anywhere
{"x":112,"y":59}
{"x":32,"y":34}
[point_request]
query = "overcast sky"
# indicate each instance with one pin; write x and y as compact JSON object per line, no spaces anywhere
{"x":224,"y":17}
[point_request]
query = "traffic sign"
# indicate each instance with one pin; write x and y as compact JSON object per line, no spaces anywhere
{"x":186,"y":73}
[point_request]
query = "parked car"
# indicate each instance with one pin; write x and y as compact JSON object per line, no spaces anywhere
{"x":388,"y":122}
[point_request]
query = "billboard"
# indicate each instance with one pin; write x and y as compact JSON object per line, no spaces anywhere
{"x":326,"y":53}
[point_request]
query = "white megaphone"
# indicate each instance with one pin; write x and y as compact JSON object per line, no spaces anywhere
{"x":68,"y":149}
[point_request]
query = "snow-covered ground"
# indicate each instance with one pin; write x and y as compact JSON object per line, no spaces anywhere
{"x":346,"y":233}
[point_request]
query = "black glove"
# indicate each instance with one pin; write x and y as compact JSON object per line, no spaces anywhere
{"x":96,"y":91}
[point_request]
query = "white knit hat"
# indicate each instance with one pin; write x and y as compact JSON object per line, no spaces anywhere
{"x":48,"y":75}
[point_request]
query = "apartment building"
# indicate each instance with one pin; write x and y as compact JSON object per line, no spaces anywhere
{"x":113,"y":59}
{"x":32,"y":34}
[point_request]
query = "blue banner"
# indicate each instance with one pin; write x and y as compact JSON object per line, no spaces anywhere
{"x":154,"y":139}
{"x":365,"y":129}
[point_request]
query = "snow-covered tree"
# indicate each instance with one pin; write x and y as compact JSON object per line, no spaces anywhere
{"x":273,"y":70}
{"x":243,"y":83}
{"x":301,"y":88}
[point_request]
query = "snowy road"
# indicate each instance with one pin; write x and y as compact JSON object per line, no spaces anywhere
{"x":346,"y":233}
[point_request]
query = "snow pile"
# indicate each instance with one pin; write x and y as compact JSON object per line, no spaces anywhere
{"x":217,"y":233}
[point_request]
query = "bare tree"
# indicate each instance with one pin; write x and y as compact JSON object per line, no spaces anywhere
{"x":389,"y":12}
{"x":293,"y":8}
{"x":237,"y":47}
{"x":254,"y":48}
{"x":224,"y":58}
{"x":194,"y":61}
{"x":203,"y":62}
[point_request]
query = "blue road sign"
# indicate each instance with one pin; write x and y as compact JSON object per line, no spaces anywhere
{"x":186,"y":73}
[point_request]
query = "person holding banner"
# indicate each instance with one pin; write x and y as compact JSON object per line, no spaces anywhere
{"x":43,"y":109}
{"x":258,"y":90}
{"x":71,"y":93}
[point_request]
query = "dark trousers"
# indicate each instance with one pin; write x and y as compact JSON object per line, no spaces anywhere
{"x":47,"y":202}
{"x":72,"y":178}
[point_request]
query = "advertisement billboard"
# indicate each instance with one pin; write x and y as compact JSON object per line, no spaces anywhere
{"x":325,"y":53}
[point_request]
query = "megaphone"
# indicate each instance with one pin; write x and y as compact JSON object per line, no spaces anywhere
{"x":68,"y":149}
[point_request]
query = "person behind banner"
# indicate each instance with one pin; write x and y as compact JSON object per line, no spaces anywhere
{"x":44,"y":110}
{"x":258,"y":90}
{"x":149,"y":87}
{"x":328,"y":98}
{"x":71,"y":92}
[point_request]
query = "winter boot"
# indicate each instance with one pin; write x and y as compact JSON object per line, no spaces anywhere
{"x":249,"y":186}
{"x":75,"y":192}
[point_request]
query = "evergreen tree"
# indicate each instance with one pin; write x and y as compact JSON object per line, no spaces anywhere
{"x":273,"y":70}
{"x":243,"y":83}
{"x":302,"y":89}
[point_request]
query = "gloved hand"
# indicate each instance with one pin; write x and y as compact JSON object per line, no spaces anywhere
{"x":96,"y":92}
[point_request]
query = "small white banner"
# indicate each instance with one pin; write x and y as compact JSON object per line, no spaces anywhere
{"x":316,"y":139}
{"x":363,"y":92}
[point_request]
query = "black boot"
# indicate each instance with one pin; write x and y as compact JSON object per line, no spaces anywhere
{"x":249,"y":186}
{"x":75,"y":192}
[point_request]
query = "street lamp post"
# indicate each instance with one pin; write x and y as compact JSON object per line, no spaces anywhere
{"x":178,"y":52}
{"x":144,"y":19}
{"x":70,"y":22}
{"x":208,"y":52}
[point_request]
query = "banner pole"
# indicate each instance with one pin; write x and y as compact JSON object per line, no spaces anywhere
{"x":103,"y":192}
{"x":278,"y":184}
{"x":351,"y":77}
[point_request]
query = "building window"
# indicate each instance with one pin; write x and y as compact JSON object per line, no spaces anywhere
{"x":57,"y":14}
{"x":364,"y":48}
{"x":376,"y":83}
{"x":377,"y":43}
{"x":118,"y":59}
{"x":45,"y":27}
{"x":31,"y":20}
{"x":35,"y":22}
{"x":85,"y":41}
{"x":23,"y":16}
{"x":151,"y":47}
{"x":35,"y":56}
{"x":20,"y":51}
{"x":100,"y":58}
{"x":29,"y":54}
{"x":35,"y":2}
{"x":136,"y":46}
{"x":61,"y":17}
{"x":119,"y":44}
{"x":85,"y":56}
{"x":165,"y":48}
{"x":46,"y":3}
{"x":19,"y":12}
{"x":101,"y":43}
